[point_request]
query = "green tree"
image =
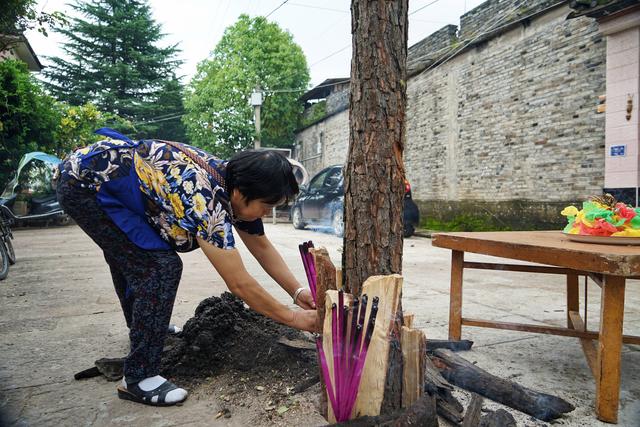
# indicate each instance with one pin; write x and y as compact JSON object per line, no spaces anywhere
{"x":77,"y":124}
{"x":253,"y":52}
{"x":28,"y":117}
{"x":114,"y":61}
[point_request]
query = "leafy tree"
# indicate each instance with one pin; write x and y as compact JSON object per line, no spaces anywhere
{"x":77,"y":124}
{"x":253,"y":52}
{"x":28,"y":117}
{"x":114,"y":61}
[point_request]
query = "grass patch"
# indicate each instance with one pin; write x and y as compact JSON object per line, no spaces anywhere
{"x":464,"y":223}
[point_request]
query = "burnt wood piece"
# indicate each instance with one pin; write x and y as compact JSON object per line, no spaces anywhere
{"x":448,"y":411}
{"x":468,"y":376}
{"x":111,"y":368}
{"x":304,"y":385}
{"x":499,"y":418}
{"x":421,"y":414}
{"x":453,"y":345}
{"x":87,"y":373}
{"x":448,"y":407}
{"x":474,"y":411}
{"x":434,"y":383}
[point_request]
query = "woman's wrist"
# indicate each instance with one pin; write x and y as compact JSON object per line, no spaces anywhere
{"x":296,"y":294}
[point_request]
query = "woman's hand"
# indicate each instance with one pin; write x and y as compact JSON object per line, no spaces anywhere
{"x":305,"y":320}
{"x":305,"y":300}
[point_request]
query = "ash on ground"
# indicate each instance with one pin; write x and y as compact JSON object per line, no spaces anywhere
{"x":226,"y":337}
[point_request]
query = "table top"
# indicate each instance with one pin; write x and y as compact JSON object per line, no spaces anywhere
{"x":546,"y":247}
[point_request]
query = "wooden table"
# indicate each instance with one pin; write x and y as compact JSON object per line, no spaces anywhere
{"x":607,"y":265}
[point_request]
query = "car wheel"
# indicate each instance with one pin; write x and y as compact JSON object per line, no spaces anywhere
{"x":298,"y":223}
{"x":337,"y":223}
{"x":409,"y":229}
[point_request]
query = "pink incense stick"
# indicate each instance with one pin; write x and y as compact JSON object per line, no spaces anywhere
{"x":325,"y":373}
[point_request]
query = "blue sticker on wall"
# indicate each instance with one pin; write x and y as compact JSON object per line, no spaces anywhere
{"x":617,"y":150}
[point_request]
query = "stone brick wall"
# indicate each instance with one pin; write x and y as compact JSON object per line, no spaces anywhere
{"x":513,"y":119}
{"x":508,"y":126}
{"x":337,"y":101}
{"x":324,"y":144}
{"x":500,"y":12}
{"x":434,"y":44}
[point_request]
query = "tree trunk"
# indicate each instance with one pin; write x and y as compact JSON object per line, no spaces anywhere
{"x":374,"y":176}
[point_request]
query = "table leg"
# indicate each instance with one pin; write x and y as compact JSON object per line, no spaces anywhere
{"x":573,"y":295}
{"x":610,"y":348}
{"x":455,"y":295}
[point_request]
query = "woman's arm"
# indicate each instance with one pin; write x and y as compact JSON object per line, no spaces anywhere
{"x":270,"y":259}
{"x":229,"y":265}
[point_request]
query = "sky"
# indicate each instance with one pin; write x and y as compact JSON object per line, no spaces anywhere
{"x":322,"y":28}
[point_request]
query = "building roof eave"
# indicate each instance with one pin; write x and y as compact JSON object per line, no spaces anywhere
{"x":23,"y":50}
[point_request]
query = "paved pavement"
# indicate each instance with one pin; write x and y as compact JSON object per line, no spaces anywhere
{"x":59,"y":313}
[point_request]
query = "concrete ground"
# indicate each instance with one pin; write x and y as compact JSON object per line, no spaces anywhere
{"x":59,"y":313}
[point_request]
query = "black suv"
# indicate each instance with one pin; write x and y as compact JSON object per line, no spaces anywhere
{"x":321,"y":203}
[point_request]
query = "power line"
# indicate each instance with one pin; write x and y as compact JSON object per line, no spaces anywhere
{"x":159,"y":120}
{"x":423,"y":7}
{"x":281,"y":4}
{"x":329,"y":56}
{"x":345,"y":47}
{"x":319,"y":8}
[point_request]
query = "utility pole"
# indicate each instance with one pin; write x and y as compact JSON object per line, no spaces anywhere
{"x":256,"y":101}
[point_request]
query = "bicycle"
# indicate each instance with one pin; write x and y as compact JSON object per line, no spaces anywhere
{"x":7,"y":254}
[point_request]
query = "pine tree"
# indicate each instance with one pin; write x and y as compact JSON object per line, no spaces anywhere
{"x":113,"y":60}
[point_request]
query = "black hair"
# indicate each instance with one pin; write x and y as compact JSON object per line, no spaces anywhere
{"x":262,"y":174}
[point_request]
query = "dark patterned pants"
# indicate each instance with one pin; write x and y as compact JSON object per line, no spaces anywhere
{"x":146,"y":281}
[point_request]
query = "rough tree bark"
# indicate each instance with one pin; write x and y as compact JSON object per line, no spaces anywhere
{"x":374,"y":175}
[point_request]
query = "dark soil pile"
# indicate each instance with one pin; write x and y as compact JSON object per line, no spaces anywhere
{"x":224,"y":337}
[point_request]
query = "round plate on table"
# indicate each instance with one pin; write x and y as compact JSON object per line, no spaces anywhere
{"x":603,"y":240}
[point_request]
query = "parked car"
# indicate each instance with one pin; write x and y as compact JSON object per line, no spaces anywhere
{"x":321,"y":203}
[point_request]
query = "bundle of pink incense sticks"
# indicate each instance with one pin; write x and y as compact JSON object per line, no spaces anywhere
{"x":309,"y":266}
{"x":350,"y":342}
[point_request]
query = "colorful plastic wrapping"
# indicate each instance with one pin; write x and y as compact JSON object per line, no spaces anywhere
{"x":598,"y":219}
